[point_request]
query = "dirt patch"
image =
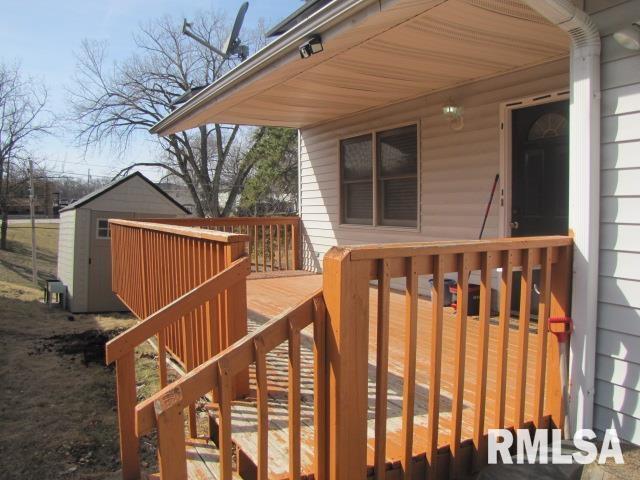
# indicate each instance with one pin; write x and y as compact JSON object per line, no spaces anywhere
{"x":58,"y":399}
{"x":89,"y":345}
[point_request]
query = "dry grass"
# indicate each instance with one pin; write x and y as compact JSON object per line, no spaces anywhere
{"x":57,"y":401}
{"x":15,"y":264}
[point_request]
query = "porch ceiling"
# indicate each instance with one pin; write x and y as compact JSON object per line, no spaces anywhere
{"x":387,"y":52}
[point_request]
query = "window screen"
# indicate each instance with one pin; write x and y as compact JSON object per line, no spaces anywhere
{"x":103,"y":228}
{"x":397,"y":153}
{"x":356,"y":165}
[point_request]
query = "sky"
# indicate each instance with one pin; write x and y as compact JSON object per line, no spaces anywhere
{"x":44,"y":35}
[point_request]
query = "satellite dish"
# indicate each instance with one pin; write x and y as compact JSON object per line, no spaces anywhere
{"x":233,"y":45}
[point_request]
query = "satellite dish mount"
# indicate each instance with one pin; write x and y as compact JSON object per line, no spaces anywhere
{"x":233,"y":46}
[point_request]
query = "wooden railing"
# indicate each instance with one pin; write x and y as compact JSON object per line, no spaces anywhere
{"x":345,"y":353}
{"x":347,"y":273}
{"x":274,"y":242}
{"x":164,"y":410}
{"x":188,"y":287}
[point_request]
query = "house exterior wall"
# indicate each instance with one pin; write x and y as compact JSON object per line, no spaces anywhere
{"x":617,"y":395}
{"x":457,"y":168}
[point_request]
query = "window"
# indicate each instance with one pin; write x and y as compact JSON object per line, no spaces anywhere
{"x":103,"y":228}
{"x":357,"y":180}
{"x":397,"y":153}
{"x":392,"y":180}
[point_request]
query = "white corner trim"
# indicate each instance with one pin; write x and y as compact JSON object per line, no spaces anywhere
{"x":584,"y":197}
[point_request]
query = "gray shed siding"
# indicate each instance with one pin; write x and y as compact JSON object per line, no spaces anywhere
{"x":617,"y":396}
{"x":80,"y":300}
{"x":66,"y":242}
{"x":134,"y":198}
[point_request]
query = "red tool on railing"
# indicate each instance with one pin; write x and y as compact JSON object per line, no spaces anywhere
{"x":563,"y":337}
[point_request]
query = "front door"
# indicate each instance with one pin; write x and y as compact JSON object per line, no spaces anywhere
{"x":540,"y":170}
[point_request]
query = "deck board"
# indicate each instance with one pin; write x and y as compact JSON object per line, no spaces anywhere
{"x":203,"y":460}
{"x":268,"y":296}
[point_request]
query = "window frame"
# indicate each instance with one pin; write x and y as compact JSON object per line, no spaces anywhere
{"x":98,"y":228}
{"x":374,"y":158}
{"x":343,"y":182}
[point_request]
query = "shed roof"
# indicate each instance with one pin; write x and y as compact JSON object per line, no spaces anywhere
{"x":375,"y":53}
{"x":101,"y":191}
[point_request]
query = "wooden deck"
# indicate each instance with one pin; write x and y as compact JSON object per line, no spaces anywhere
{"x":271,"y":294}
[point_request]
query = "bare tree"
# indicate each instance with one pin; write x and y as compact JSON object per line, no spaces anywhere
{"x":119,"y":103}
{"x":22,"y":117}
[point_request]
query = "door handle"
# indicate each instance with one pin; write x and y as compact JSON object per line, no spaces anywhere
{"x":514,"y":225}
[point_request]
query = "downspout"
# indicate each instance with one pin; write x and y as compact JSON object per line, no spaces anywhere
{"x":584,"y":197}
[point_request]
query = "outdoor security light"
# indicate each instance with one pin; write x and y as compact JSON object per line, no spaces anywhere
{"x":453,"y":113}
{"x":311,"y":47}
{"x":629,"y":37}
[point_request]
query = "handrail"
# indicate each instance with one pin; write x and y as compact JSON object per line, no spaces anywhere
{"x":188,"y":287}
{"x":130,"y":339}
{"x":215,"y":221}
{"x":174,"y":226}
{"x":347,"y":272}
{"x":391,"y":250}
{"x":274,"y":242}
{"x":204,"y":378}
{"x":214,"y":374}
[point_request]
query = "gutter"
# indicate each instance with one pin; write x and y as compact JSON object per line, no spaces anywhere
{"x":287,"y":43}
{"x":584,"y":197}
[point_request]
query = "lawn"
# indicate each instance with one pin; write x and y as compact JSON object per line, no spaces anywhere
{"x":15,"y":265}
{"x":57,"y":401}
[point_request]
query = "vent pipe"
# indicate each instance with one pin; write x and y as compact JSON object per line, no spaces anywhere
{"x":584,"y":196}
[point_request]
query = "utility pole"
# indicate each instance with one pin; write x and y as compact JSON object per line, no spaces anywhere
{"x":32,"y":197}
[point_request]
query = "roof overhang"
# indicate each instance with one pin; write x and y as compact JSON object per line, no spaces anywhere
{"x":375,"y":53}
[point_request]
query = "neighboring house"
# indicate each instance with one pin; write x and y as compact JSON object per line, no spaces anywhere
{"x":180,"y":193}
{"x":84,"y":246}
{"x":409,"y":109}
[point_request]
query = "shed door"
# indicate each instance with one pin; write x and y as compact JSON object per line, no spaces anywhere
{"x":101,"y":297}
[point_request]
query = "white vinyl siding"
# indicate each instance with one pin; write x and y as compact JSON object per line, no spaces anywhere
{"x":456,"y":171}
{"x":66,"y":242}
{"x":617,"y":396}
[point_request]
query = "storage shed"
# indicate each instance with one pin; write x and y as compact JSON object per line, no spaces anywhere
{"x":84,"y":246}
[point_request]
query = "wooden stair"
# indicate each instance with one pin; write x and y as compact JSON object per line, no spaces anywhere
{"x":203,"y":461}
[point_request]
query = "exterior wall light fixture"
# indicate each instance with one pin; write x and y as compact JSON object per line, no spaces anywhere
{"x":312,"y":46}
{"x":453,"y":113}
{"x":629,"y":37}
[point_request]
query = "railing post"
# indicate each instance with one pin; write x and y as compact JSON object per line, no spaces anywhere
{"x":296,"y":244}
{"x":561,"y":272}
{"x":236,"y":317}
{"x":171,"y":443}
{"x":143,"y":273}
{"x":126,"y":397}
{"x":346,"y":293}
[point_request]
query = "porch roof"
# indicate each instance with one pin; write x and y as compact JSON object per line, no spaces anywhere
{"x":375,"y":53}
